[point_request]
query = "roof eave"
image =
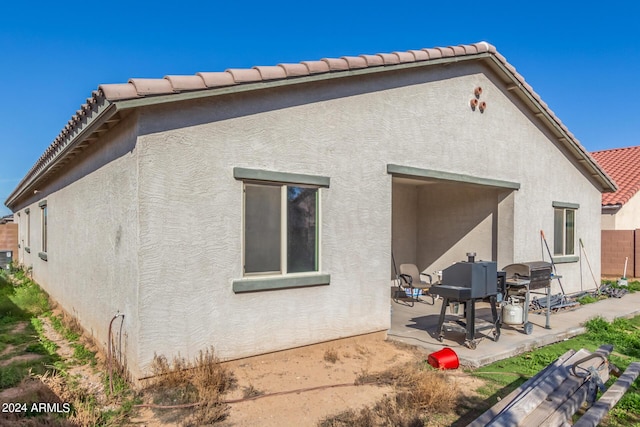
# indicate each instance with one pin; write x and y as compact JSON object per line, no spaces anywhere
{"x":102,"y":117}
{"x":564,"y":136}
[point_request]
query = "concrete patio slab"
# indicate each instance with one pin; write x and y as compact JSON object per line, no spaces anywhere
{"x":417,"y":326}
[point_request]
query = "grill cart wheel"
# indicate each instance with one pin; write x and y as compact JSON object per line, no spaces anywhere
{"x":528,"y":328}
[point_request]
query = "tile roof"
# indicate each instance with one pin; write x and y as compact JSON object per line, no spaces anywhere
{"x":137,"y":88}
{"x":96,"y":115}
{"x":623,"y":165}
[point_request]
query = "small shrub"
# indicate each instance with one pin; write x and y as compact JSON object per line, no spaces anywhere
{"x":251,"y":391}
{"x":331,"y":355}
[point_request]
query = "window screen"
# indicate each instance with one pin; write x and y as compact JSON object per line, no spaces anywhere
{"x":262,"y":229}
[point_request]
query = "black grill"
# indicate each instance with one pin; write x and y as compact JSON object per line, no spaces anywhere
{"x":538,"y":273}
{"x":479,"y":277}
{"x":466,"y":282}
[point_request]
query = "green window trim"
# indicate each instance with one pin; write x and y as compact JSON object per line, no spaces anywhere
{"x":280,"y":282}
{"x":43,"y":256}
{"x":430,"y":174}
{"x":246,"y":174}
{"x":565,"y":205}
{"x":565,"y":259}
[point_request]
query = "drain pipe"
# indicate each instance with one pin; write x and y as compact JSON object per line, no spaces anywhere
{"x":109,"y":355}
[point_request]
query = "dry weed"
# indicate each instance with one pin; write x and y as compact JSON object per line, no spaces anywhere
{"x":251,"y":391}
{"x":201,"y":382}
{"x":331,"y":355}
{"x":419,"y":390}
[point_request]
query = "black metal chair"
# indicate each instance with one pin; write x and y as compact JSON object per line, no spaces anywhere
{"x":410,"y":281}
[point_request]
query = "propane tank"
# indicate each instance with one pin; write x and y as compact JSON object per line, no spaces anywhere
{"x":512,"y":312}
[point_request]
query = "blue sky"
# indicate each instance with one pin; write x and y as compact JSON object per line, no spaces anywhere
{"x":583,"y":61}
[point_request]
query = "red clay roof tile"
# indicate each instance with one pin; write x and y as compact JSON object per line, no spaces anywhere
{"x":373,"y":60}
{"x":404,"y":57}
{"x":316,"y":67}
{"x":389,"y":58}
{"x":217,"y":79}
{"x":271,"y":72}
{"x":180,"y":83}
{"x":420,"y":55}
{"x":294,"y":70}
{"x":336,"y":64}
{"x":152,"y":86}
{"x":244,"y":75}
{"x":433,"y":53}
{"x":355,"y":62}
{"x":623,"y":166}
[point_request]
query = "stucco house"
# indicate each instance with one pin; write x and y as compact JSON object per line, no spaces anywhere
{"x":255,"y":210}
{"x":621,"y":211}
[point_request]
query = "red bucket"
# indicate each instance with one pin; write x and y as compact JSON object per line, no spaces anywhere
{"x":444,"y":359}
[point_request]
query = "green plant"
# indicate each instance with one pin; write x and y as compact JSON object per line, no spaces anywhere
{"x":83,"y":355}
{"x":624,"y":334}
{"x":587,"y":299}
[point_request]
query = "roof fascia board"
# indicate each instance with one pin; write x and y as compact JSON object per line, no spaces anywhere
{"x":567,"y":140}
{"x":247,"y":87}
{"x":103,"y":113}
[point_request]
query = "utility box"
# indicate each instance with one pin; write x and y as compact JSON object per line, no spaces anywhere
{"x":6,"y":257}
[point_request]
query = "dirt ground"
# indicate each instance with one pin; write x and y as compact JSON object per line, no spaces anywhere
{"x":295,"y":387}
{"x":303,"y":386}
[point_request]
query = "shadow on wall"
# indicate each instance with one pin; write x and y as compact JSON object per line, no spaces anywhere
{"x":436,"y":223}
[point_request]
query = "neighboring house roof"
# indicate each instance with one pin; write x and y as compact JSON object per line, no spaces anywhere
{"x":111,"y":102}
{"x":623,"y":165}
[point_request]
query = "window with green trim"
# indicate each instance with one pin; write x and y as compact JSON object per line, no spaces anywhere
{"x":564,"y":231}
{"x":28,"y":221}
{"x":281,"y":233}
{"x":43,"y":211}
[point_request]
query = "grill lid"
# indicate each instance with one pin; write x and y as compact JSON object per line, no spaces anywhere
{"x":528,"y":269}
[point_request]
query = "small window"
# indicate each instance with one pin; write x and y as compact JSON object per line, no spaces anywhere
{"x":280,"y":228}
{"x":28,"y":221}
{"x":43,"y":210}
{"x":564,"y":231}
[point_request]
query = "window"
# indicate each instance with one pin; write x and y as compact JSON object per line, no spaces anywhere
{"x":43,"y":228}
{"x":280,"y":228}
{"x":564,"y":229}
{"x":28,"y":221}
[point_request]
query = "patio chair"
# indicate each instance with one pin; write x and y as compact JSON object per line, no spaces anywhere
{"x":410,"y":280}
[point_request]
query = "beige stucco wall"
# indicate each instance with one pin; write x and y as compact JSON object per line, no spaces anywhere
{"x":92,"y":262}
{"x":150,"y":222}
{"x":627,"y":218}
